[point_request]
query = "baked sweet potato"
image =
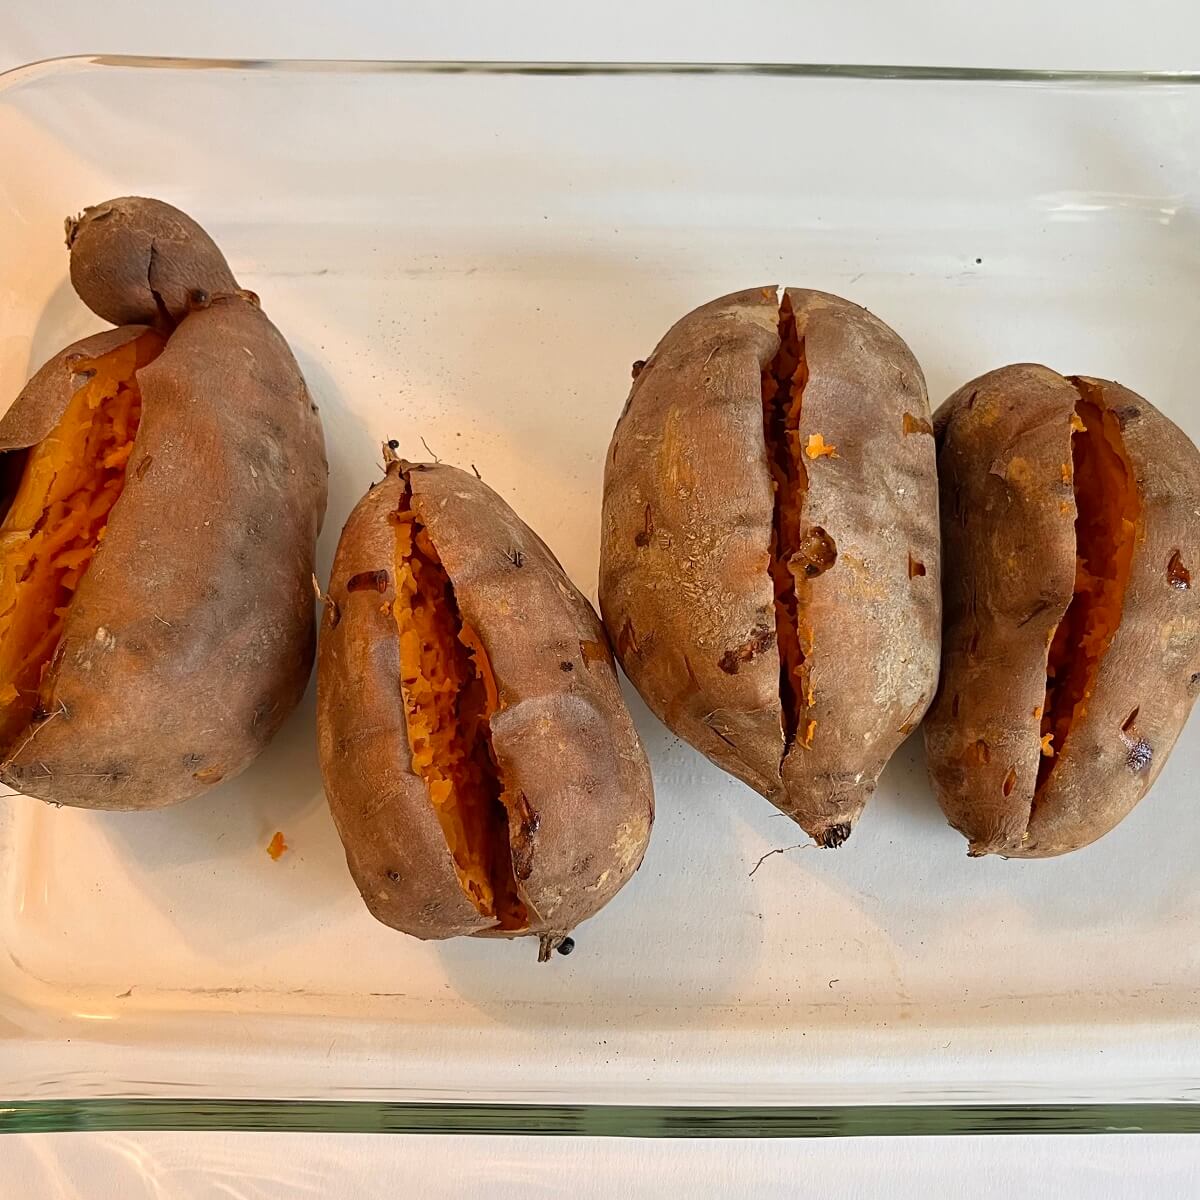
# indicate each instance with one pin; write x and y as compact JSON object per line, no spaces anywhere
{"x":481,"y":766}
{"x":769,"y":550}
{"x":1071,"y":647}
{"x":163,"y":486}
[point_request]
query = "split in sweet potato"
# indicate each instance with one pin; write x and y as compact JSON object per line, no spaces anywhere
{"x":68,"y":485}
{"x":783,"y":383}
{"x":449,"y":695}
{"x":1107,"y":508}
{"x":798,"y":552}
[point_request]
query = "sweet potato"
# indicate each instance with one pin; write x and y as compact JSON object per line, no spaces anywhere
{"x":164,"y":484}
{"x":1071,"y":528}
{"x":769,"y":550}
{"x":480,"y":763}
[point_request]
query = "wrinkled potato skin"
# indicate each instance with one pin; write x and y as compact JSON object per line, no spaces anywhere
{"x":564,"y":741}
{"x":191,"y":635}
{"x":1008,"y":526}
{"x":688,"y":511}
{"x":136,"y":261}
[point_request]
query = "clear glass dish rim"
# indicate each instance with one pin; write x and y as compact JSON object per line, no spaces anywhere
{"x":592,"y":1120}
{"x":31,"y":72}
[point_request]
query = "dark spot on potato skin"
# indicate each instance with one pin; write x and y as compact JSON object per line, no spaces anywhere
{"x":1178,"y":576}
{"x":368,"y":581}
{"x":1040,"y":607}
{"x":516,"y":557}
{"x":1194,"y":681}
{"x":1126,"y":414}
{"x":643,"y":536}
{"x":638,"y":367}
{"x":142,"y":467}
{"x":1140,"y":755}
{"x":394,"y":876}
{"x":733,"y":659}
{"x":192,"y":761}
{"x":583,"y":865}
{"x":522,"y":837}
{"x":566,"y":666}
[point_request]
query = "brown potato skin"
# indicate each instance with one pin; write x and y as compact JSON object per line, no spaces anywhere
{"x":1008,"y":529}
{"x":191,"y":635}
{"x":137,"y":261}
{"x":688,"y":510}
{"x":562,"y":736}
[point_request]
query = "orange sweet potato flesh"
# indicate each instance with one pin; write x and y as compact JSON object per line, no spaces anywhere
{"x":783,"y":397}
{"x":1108,"y":509}
{"x":68,"y":486}
{"x":798,"y":551}
{"x":449,"y":696}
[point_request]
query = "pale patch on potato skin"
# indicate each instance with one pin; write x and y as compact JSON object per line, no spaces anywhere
{"x":684,"y":585}
{"x":1009,"y":546}
{"x":192,"y":633}
{"x":580,"y":797}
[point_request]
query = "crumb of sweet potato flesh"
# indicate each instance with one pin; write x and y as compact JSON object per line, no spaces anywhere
{"x":277,"y":847}
{"x":818,"y":447}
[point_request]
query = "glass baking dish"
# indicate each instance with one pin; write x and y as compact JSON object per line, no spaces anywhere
{"x":468,"y":257}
